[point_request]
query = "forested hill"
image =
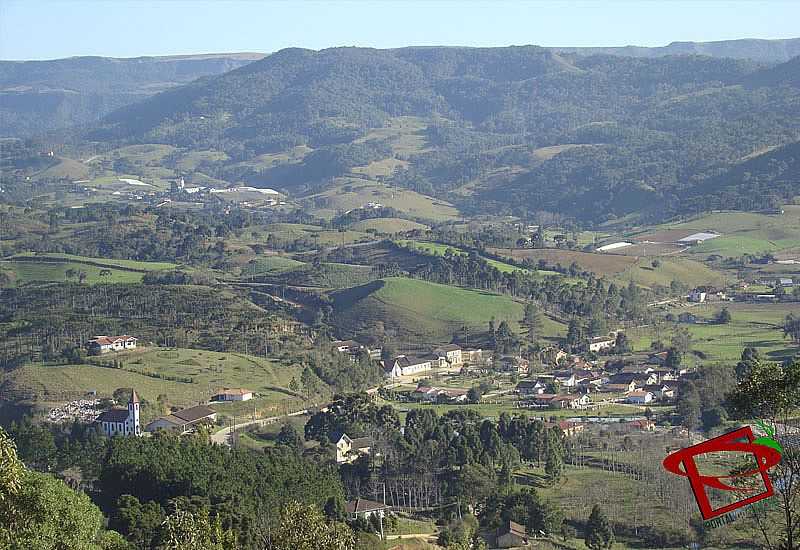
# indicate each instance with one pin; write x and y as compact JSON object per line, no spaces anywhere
{"x":759,"y":50}
{"x":37,"y":96}
{"x":515,"y":129}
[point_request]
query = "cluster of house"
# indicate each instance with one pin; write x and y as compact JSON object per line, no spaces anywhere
{"x":703,"y":294}
{"x":571,"y":387}
{"x":450,"y":355}
{"x":442,"y":357}
{"x":125,"y":421}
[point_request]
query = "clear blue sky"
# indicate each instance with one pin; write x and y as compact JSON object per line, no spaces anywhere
{"x":46,"y":29}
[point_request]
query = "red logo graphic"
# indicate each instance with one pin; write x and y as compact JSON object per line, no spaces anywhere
{"x":737,"y":441}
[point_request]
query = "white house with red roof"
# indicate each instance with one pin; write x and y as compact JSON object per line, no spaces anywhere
{"x":104,"y":344}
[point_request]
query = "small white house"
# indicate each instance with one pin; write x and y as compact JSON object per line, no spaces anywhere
{"x":348,"y":449}
{"x":233,"y":394}
{"x":697,"y":296}
{"x":451,"y":353}
{"x":639,"y":397}
{"x":364,"y":508}
{"x":602,"y":343}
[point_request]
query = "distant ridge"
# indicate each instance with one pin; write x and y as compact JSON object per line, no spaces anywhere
{"x":767,"y":51}
{"x":39,"y":96}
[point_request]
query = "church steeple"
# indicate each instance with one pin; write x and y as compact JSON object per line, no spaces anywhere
{"x":133,"y":415}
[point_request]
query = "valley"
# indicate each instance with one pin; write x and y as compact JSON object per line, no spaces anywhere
{"x":469,"y":296}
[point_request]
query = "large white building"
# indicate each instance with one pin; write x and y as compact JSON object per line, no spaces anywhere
{"x":119,"y":421}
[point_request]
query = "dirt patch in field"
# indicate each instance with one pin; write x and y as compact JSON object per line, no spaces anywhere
{"x":668,"y":236}
{"x":602,"y":264}
{"x":649,"y":249}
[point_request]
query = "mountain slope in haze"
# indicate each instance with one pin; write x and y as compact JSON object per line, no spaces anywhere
{"x":37,"y":96}
{"x":768,"y":51}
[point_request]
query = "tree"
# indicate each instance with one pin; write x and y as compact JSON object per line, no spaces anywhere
{"x":724,"y":316}
{"x":622,"y":344}
{"x":184,"y":529}
{"x":791,"y":327}
{"x":673,"y":359}
{"x":532,"y":320}
{"x":554,"y":457}
{"x":688,"y":406}
{"x":771,"y":392}
{"x":40,"y":511}
{"x":474,"y":395}
{"x":303,"y":527}
{"x":289,"y":437}
{"x":574,"y":334}
{"x":599,"y":535}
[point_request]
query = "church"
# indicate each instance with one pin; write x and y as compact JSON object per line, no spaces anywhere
{"x":123,"y":422}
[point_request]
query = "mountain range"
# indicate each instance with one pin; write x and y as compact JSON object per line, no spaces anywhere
{"x":518,"y":130}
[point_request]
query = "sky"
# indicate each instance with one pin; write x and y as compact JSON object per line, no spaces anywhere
{"x":48,"y":29}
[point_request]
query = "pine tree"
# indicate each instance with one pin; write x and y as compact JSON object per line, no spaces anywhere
{"x":532,"y":320}
{"x":554,"y":460}
{"x":599,"y":535}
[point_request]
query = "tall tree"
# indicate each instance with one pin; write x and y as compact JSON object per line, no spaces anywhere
{"x":599,"y":535}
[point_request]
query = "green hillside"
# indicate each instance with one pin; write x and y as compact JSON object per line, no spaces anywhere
{"x":424,"y":313}
{"x":196,"y":375}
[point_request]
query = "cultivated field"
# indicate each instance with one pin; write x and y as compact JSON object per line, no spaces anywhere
{"x":388,"y":226}
{"x":350,"y":193}
{"x":602,"y":264}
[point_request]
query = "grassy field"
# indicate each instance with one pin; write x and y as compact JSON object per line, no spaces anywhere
{"x":293,"y":231}
{"x":685,"y":270}
{"x":208,"y":371}
{"x":425,"y":313}
{"x":190,"y":161}
{"x":26,"y":272}
{"x":65,"y":168}
{"x":405,"y":134}
{"x":270,"y":265}
{"x":350,"y":193}
{"x":602,"y":264}
{"x":439,"y":249}
{"x":744,"y":232}
{"x":754,"y":325}
{"x":30,"y":267}
{"x":388,"y":226}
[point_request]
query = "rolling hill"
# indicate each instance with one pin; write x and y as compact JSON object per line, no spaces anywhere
{"x":421,"y":314}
